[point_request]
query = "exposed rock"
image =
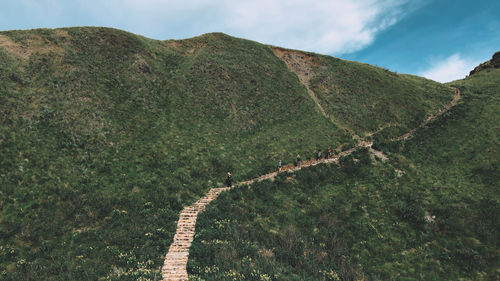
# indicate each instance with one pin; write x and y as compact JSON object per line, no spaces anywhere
{"x":142,"y":65}
{"x":493,"y":63}
{"x":399,"y":173}
{"x":428,"y":218}
{"x":495,"y":60}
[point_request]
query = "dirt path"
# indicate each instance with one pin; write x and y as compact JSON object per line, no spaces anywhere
{"x":300,"y":64}
{"x":175,"y":265}
{"x":431,"y":117}
{"x":304,"y":66}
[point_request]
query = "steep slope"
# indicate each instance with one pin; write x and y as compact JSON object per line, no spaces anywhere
{"x":430,"y":212}
{"x":364,"y":99}
{"x":106,"y":135}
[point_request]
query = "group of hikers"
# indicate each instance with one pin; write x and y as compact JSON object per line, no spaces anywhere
{"x":319,"y":156}
{"x":328,"y":154}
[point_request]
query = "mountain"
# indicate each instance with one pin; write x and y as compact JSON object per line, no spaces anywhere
{"x":431,"y":211}
{"x":106,"y":135}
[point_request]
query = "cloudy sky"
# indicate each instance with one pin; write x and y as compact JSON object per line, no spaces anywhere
{"x":439,"y":39}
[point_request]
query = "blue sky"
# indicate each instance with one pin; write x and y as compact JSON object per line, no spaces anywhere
{"x":438,"y":39}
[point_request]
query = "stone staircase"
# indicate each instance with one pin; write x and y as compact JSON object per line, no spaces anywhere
{"x":174,"y":267}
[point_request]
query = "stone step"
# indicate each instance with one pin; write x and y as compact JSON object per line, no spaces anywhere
{"x":175,"y":263}
{"x":174,"y":267}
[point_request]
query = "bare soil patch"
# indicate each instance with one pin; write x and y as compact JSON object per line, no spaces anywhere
{"x":34,"y":44}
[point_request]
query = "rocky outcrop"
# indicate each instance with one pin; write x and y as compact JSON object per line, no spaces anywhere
{"x":493,"y":63}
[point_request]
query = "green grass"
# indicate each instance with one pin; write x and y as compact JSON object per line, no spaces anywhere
{"x":432,"y":212}
{"x":97,"y":153}
{"x":106,"y":135}
{"x":352,"y":222}
{"x":366,"y":98}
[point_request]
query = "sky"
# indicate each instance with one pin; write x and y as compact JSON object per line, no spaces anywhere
{"x":439,"y":39}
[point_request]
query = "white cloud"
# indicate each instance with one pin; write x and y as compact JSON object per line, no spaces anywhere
{"x":325,"y":26}
{"x":451,"y":68}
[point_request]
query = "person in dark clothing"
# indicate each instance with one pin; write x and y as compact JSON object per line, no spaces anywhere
{"x":318,"y":155}
{"x":279,"y":166}
{"x":228,"y":180}
{"x":298,"y":160}
{"x":330,"y":152}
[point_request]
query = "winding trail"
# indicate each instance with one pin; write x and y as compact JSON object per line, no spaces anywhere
{"x":175,"y":265}
{"x":431,"y":117}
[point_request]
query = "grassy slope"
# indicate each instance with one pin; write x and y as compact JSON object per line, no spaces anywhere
{"x":366,"y":98}
{"x":362,"y":221}
{"x":97,"y":153}
{"x":105,"y":135}
{"x":463,"y":158}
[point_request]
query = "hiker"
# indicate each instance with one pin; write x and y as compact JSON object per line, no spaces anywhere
{"x":298,"y":160}
{"x":318,"y":155}
{"x":330,"y":152}
{"x":279,"y":166}
{"x":228,"y":179}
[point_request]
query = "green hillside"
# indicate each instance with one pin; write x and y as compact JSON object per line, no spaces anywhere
{"x":365,"y":99}
{"x":431,"y":212}
{"x":106,"y":135}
